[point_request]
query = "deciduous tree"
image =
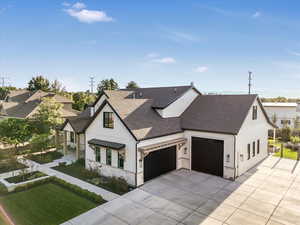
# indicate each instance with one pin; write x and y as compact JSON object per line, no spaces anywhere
{"x":107,"y":84}
{"x":132,"y":85}
{"x":39,"y":83}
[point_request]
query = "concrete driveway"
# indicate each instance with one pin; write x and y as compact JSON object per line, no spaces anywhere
{"x":267,"y":194}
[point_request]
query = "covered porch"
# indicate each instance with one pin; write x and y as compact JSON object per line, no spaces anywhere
{"x":73,"y":144}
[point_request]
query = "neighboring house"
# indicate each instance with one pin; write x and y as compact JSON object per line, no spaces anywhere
{"x":285,"y":113}
{"x":142,"y":133}
{"x":24,"y":104}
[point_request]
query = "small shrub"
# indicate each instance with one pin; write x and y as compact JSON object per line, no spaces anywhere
{"x":285,"y":134}
{"x":3,"y":189}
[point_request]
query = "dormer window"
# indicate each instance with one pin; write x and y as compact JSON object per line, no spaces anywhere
{"x":108,"y":120}
{"x":254,"y":113}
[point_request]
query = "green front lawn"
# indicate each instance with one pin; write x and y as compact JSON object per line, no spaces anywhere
{"x":45,"y":157}
{"x":287,"y":152}
{"x":113,"y":184}
{"x":46,"y":204}
{"x":25,"y":177}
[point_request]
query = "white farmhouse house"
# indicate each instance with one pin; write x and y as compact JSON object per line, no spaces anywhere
{"x":139,"y":134}
{"x":285,"y":113}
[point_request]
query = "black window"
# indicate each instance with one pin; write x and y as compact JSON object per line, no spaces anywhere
{"x":120,"y":161}
{"x":254,"y":112}
{"x":253,"y":149}
{"x":72,"y":137}
{"x":258,"y":146}
{"x":108,"y":156}
{"x":108,"y":120}
{"x":98,"y":154}
{"x":249,"y":151}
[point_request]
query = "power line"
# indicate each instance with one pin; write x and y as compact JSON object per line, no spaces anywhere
{"x":92,"y":83}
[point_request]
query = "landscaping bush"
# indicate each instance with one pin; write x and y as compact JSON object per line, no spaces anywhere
{"x":9,"y":165}
{"x":285,"y":134}
{"x":3,"y":189}
{"x":46,"y":157}
{"x":25,"y":177}
{"x":113,"y":184}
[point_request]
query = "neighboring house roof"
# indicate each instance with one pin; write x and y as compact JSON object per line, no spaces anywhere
{"x":279,"y":104}
{"x":23,"y":103}
{"x":161,"y":96}
{"x":211,"y":113}
{"x":217,"y":113}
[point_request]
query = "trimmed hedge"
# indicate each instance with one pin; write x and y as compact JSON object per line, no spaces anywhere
{"x":71,"y":187}
{"x":25,"y":177}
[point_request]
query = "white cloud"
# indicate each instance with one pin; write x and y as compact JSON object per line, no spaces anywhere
{"x":83,"y":15}
{"x":256,"y":15}
{"x":201,"y":69}
{"x":165,"y":60}
{"x":79,"y":5}
{"x":152,"y":55}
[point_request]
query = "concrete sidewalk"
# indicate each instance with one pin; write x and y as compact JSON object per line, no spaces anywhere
{"x":268,"y":194}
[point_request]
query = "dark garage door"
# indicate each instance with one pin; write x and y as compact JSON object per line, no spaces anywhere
{"x":207,"y":155}
{"x":159,"y":162}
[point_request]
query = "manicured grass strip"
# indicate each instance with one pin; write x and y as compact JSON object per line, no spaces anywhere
{"x":25,"y":177}
{"x":287,"y":153}
{"x":47,"y":204}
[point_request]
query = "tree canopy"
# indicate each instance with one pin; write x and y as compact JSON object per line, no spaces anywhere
{"x":48,"y":115}
{"x":39,"y":83}
{"x":107,"y":84}
{"x":4,"y":91}
{"x":15,"y":131}
{"x":57,"y":87}
{"x":132,"y":85}
{"x":82,"y":99}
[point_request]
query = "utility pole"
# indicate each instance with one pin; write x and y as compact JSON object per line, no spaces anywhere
{"x":92,"y":82}
{"x":249,"y":84}
{"x":3,"y":81}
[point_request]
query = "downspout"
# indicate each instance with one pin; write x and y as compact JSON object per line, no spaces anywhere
{"x":234,"y":157}
{"x":136,"y":162}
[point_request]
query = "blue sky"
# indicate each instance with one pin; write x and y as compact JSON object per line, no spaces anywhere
{"x":213,"y":43}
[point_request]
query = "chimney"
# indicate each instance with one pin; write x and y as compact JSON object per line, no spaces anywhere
{"x":192,"y":84}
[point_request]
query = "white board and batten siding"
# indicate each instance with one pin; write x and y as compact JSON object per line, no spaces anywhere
{"x":228,"y":149}
{"x":251,"y":131}
{"x":118,"y":134}
{"x":180,"y":105}
{"x":182,"y":159}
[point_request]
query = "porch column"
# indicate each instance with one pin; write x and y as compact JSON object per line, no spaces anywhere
{"x":77,"y":146}
{"x":65,"y":142}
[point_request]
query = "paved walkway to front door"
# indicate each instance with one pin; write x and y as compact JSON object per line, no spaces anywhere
{"x":267,"y":194}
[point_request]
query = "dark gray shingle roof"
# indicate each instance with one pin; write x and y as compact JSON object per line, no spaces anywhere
{"x":107,"y":144}
{"x":217,"y":113}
